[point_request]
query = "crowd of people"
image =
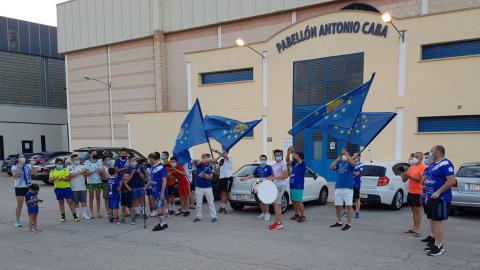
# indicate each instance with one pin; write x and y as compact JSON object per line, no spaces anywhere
{"x":127,"y":187}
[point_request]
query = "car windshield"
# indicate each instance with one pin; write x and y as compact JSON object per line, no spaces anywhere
{"x":469,"y":171}
{"x":374,"y":170}
{"x":246,"y":170}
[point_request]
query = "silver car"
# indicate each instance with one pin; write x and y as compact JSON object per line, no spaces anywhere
{"x":466,"y":193}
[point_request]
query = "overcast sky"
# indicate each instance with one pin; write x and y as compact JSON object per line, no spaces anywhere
{"x":39,"y":11}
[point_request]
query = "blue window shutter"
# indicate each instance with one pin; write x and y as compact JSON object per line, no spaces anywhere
{"x":461,"y":123}
{"x":451,"y":49}
{"x":227,"y":76}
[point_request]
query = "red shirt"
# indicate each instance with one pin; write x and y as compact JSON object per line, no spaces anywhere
{"x":182,"y":179}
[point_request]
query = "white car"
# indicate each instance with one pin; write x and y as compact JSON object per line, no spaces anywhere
{"x":241,"y":193}
{"x":382,"y":183}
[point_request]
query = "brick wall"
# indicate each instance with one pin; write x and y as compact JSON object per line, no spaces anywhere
{"x":435,"y":6}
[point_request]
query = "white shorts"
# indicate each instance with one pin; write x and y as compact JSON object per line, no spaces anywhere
{"x":281,"y":189}
{"x":343,"y":195}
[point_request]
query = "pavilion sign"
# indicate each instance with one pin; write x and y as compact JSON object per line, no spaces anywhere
{"x":333,"y":28}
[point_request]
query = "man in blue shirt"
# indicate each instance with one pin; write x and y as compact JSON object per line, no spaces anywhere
{"x":297,"y":181}
{"x":357,"y":174}
{"x":158,"y":182}
{"x":203,"y":187}
{"x":344,"y":165}
{"x":137,"y":176}
{"x":438,"y":189}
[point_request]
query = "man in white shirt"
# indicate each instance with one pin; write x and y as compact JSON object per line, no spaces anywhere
{"x":225,"y":179}
{"x":79,"y":188}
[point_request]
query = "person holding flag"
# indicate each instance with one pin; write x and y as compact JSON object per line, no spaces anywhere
{"x":203,"y":188}
{"x":226,"y":179}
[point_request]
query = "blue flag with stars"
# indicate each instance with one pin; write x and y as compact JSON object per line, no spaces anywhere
{"x":342,"y":111}
{"x":227,"y":131}
{"x":191,"y":133}
{"x":367,"y":126}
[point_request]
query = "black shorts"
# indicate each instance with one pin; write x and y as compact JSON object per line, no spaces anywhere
{"x":356,"y":194}
{"x":414,"y":200}
{"x":171,"y":190}
{"x":438,"y":209}
{"x":425,"y":207}
{"x":126,"y":199}
{"x":21,"y":191}
{"x":225,"y":184}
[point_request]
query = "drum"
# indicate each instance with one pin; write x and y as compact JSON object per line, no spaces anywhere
{"x":265,"y":191}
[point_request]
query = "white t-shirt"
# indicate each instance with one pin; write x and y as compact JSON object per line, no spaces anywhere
{"x":105,"y":170}
{"x":226,"y":168}
{"x":279,"y":168}
{"x":91,"y":167}
{"x":77,"y":182}
{"x":25,"y":177}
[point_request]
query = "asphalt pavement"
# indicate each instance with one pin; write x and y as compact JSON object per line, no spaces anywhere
{"x":237,"y":241}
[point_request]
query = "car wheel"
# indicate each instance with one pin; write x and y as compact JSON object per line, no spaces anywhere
{"x":323,"y":196}
{"x":397,"y":201}
{"x":237,"y":206}
{"x":284,"y":204}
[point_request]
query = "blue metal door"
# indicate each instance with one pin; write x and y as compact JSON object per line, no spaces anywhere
{"x":316,"y":82}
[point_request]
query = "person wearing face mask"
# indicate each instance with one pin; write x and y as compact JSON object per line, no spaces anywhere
{"x":93,"y":169}
{"x":178,"y":172}
{"x":225,"y":178}
{"x":344,"y":166}
{"x":438,"y":188}
{"x":357,"y":182}
{"x":121,"y":163}
{"x":22,"y":174}
{"x":263,"y":171}
{"x":280,"y":178}
{"x":203,"y":188}
{"x":414,"y":176}
{"x":426,"y":175}
{"x":79,"y":189}
{"x":60,"y":177}
{"x":170,"y":200}
{"x":137,"y":184}
{"x":297,"y":181}
{"x":105,"y":176}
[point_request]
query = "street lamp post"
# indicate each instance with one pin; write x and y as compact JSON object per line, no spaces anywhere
{"x":241,"y":43}
{"x":387,"y":18}
{"x":109,"y":84}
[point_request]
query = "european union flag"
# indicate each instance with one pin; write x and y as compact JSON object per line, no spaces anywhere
{"x":191,"y":133}
{"x":342,"y":111}
{"x":227,"y":131}
{"x":367,"y":126}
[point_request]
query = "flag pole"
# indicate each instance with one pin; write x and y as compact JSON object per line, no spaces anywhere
{"x":206,"y":135}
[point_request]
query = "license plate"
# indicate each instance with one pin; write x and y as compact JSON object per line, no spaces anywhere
{"x":363,"y":196}
{"x":244,"y":197}
{"x":475,"y":187}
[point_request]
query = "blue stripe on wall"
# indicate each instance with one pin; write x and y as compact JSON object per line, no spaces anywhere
{"x":227,"y":76}
{"x":449,"y":123}
{"x":451,"y":49}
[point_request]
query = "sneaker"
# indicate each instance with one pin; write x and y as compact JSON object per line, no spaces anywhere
{"x":107,"y":215}
{"x":186,"y":214}
{"x":262,"y":216}
{"x":165,"y":226}
{"x":145,"y":216}
{"x":111,"y":219}
{"x":153,"y":213}
{"x":171,"y":212}
{"x":436,"y":251}
{"x":344,"y":214}
{"x":276,"y":226}
{"x":62,"y":220}
{"x":295,"y":217}
{"x":85,"y":216}
{"x":336,"y":225}
{"x":158,"y":228}
{"x":357,"y":215}
{"x":196,"y":219}
{"x":214,"y":220}
{"x":301,"y":219}
{"x":133,"y":222}
{"x":430,"y":247}
{"x":347,"y":227}
{"x":267,"y":217}
{"x":225,"y":211}
{"x":122,"y":220}
{"x":428,"y":239}
{"x":115,"y":221}
{"x":220,"y":210}
{"x":76,"y":219}
{"x":18,"y":224}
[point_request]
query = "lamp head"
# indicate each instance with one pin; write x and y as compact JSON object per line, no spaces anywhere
{"x":386,"y":17}
{"x":240,"y":42}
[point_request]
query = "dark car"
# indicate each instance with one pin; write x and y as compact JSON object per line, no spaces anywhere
{"x":45,"y":168}
{"x":43,"y":157}
{"x":113,"y":151}
{"x":7,"y":164}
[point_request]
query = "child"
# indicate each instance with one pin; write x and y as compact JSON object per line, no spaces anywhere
{"x":114,"y":184}
{"x":32,"y":200}
{"x":126,"y":197}
{"x":60,"y":177}
{"x":178,"y":173}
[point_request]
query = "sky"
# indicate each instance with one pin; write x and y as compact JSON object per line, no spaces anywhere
{"x":38,"y":11}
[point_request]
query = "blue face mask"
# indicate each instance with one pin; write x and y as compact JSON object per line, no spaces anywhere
{"x":278,"y":158}
{"x":163,"y":157}
{"x":263,"y":163}
{"x":134,"y":164}
{"x":59,"y":166}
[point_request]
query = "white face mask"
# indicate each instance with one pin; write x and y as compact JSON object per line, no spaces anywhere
{"x":426,"y":161}
{"x":22,"y":160}
{"x":344,"y":158}
{"x":415,"y":160}
{"x":77,"y":162}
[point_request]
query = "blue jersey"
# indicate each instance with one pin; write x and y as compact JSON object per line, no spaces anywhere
{"x":113,"y":184}
{"x":159,"y":172}
{"x":120,"y":164}
{"x":438,"y":172}
{"x":357,"y":181}
{"x":202,"y":182}
{"x":263,"y":171}
{"x":344,"y":175}
{"x":297,"y":177}
{"x":136,"y":181}
{"x":31,"y":207}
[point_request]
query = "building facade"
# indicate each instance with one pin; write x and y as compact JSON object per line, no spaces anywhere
{"x":313,"y":51}
{"x":33,"y":115}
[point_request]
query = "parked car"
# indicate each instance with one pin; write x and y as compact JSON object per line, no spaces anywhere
{"x":43,"y":157}
{"x":382,"y":183}
{"x":114,"y":151}
{"x":466,"y":192}
{"x":316,"y":189}
{"x":7,"y":164}
{"x":45,"y":168}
